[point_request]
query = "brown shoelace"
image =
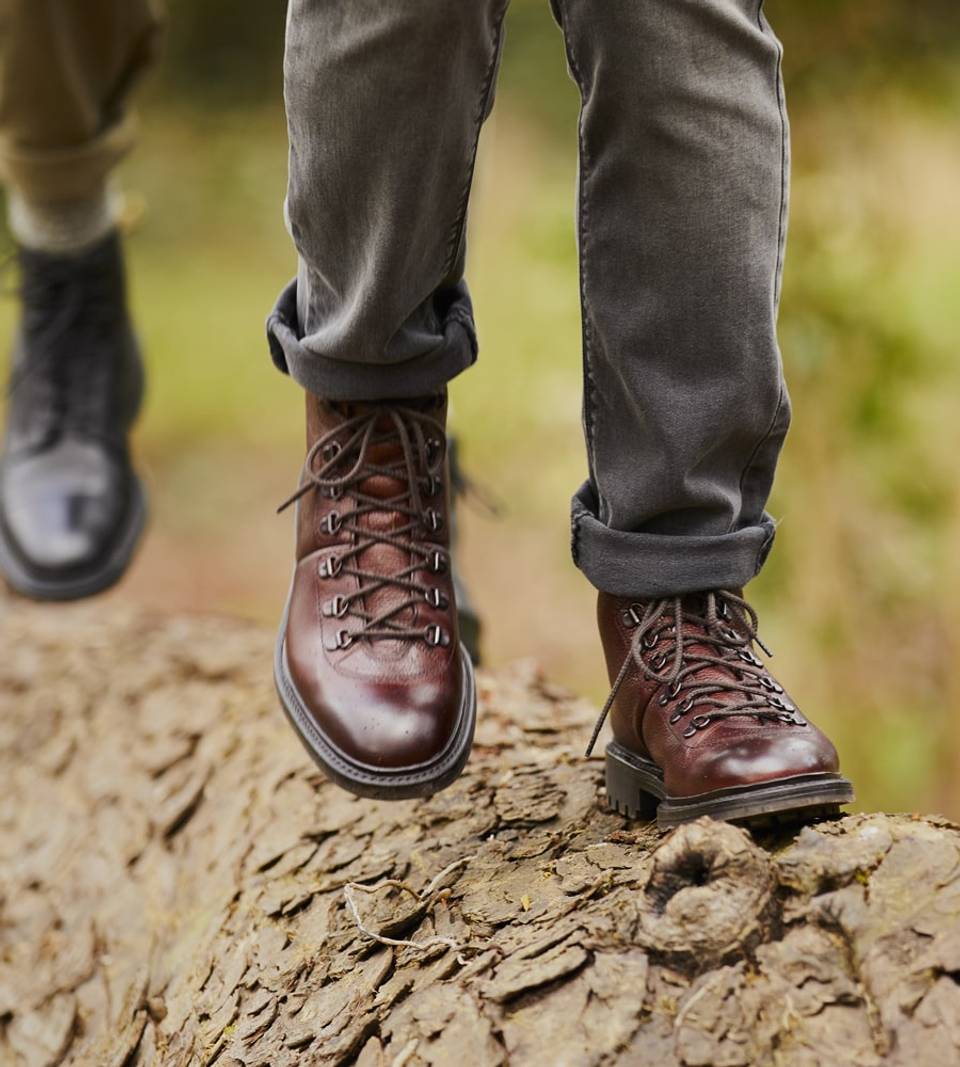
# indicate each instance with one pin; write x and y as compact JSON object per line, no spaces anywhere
{"x":336,"y":466}
{"x":727,"y":626}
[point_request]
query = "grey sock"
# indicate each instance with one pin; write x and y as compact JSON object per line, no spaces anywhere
{"x":62,"y":227}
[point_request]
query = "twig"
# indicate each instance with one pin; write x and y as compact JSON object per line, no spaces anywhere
{"x":423,"y":897}
{"x":403,"y":1057}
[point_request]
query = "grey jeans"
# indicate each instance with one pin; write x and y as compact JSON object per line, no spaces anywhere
{"x":682,"y":210}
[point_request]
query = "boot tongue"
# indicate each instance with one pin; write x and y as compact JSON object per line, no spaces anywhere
{"x":385,"y":451}
{"x":694,"y":643}
{"x":381,"y":558}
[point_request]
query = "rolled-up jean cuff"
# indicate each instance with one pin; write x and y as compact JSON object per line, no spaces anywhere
{"x":341,"y":379}
{"x":648,"y":566}
{"x":72,"y":173}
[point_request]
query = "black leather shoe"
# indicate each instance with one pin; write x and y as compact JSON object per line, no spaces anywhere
{"x":71,"y":507}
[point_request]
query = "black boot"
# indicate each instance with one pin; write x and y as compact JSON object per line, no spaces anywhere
{"x":71,"y":507}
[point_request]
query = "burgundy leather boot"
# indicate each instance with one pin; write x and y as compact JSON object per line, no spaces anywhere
{"x":369,"y":665}
{"x":700,"y":726}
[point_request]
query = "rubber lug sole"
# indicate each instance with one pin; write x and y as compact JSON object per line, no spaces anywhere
{"x":635,"y":788}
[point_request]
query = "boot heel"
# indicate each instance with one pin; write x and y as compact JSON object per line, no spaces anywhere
{"x":625,"y":789}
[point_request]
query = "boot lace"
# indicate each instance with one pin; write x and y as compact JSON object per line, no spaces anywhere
{"x":71,"y":317}
{"x":336,"y":470}
{"x":727,"y":625}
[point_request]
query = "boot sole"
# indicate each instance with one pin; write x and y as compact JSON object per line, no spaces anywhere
{"x":635,"y":788}
{"x":377,"y":785}
{"x":107,"y":572}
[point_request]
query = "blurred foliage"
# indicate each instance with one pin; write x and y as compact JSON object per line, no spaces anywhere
{"x":232,"y":52}
{"x":221,"y":51}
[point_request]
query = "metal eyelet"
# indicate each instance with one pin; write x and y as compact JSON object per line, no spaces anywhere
{"x":674,"y":691}
{"x":683,"y":708}
{"x":431,"y":485}
{"x":436,"y":599}
{"x":438,"y":562}
{"x":663,"y":700}
{"x":769,"y":684}
{"x":748,"y":657}
{"x":651,"y":639}
{"x":436,"y":637}
{"x":729,"y":634}
{"x":697,"y":723}
{"x":337,"y":607}
{"x":339,"y":641}
{"x":331,"y":451}
{"x":332,"y":492}
{"x":330,"y":567}
{"x":659,"y":662}
{"x":780,"y":704}
{"x":331,"y":523}
{"x":433,"y":520}
{"x":723,"y":612}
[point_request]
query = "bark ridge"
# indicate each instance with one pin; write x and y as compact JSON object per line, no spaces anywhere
{"x":179,"y":886}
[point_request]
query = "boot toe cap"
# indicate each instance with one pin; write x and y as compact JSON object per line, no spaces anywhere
{"x":400,"y":729}
{"x":766,"y":756}
{"x":61,"y":510}
{"x":395,"y":726}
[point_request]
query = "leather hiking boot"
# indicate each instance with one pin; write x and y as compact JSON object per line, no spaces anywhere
{"x":71,"y":507}
{"x":369,"y":665}
{"x":700,"y":727}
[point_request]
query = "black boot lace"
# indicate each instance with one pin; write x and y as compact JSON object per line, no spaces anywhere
{"x":336,"y":466}
{"x":727,"y":625}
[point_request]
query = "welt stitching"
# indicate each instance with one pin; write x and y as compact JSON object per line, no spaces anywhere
{"x":461,"y":215}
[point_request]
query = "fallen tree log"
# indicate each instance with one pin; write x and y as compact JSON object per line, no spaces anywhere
{"x":179,"y":886}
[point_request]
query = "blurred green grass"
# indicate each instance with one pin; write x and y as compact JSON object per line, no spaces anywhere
{"x":861,"y":596}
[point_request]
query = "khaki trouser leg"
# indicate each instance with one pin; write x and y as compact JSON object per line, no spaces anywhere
{"x":66,"y":71}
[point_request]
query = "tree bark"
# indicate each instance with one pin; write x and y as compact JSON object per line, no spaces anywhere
{"x":180,"y":886}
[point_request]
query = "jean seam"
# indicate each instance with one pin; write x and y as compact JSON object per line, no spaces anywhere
{"x":778,"y":269}
{"x":768,"y":433}
{"x":460,"y":221}
{"x":781,"y":107}
{"x":764,"y":551}
{"x":575,"y":541}
{"x":583,"y":221}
